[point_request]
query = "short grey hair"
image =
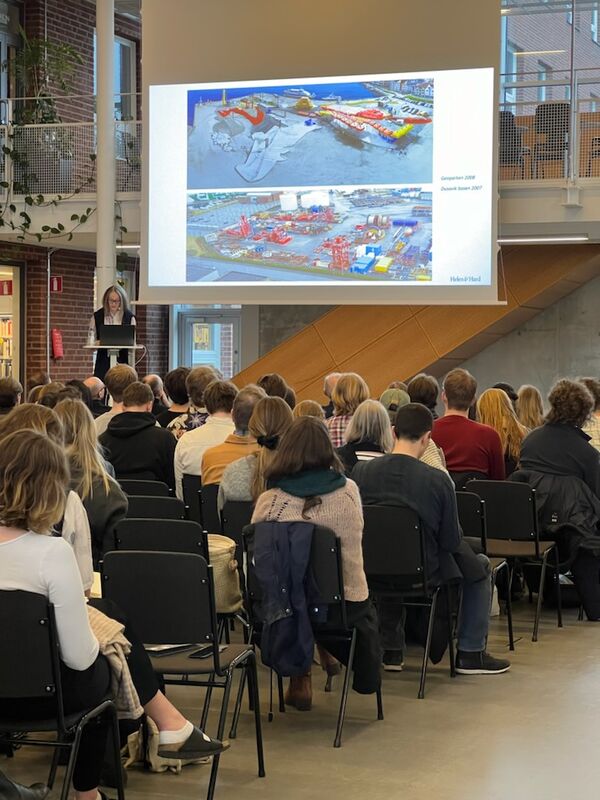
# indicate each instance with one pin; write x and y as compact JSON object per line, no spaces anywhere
{"x":371,"y":423}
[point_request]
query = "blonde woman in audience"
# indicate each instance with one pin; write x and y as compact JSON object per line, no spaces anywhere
{"x":530,"y":407}
{"x":102,"y":497}
{"x":308,"y":408}
{"x":348,"y":393}
{"x":368,"y":435}
{"x":34,"y":476}
{"x":74,"y":526}
{"x":592,"y":426}
{"x":495,"y":409}
{"x":244,"y":480}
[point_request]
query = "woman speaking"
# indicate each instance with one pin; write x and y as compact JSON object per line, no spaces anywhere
{"x":115,"y":311}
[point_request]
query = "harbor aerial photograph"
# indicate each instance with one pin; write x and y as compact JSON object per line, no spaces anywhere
{"x":348,"y":132}
{"x":367,"y":234}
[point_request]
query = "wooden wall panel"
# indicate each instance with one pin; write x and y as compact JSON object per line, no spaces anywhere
{"x":385,"y":343}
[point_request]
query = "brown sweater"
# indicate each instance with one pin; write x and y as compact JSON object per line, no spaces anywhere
{"x":341,"y":511}
{"x":216,"y":458}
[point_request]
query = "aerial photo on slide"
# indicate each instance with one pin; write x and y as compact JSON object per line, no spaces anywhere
{"x":369,"y":234}
{"x":372,"y":132}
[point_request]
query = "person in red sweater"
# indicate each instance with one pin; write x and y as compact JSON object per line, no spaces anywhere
{"x":472,"y":450}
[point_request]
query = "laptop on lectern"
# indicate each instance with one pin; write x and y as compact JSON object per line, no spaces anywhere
{"x":116,"y":335}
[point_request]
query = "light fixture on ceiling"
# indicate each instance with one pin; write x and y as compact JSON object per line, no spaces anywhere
{"x":539,"y":52}
{"x":127,"y":247}
{"x":573,"y":239}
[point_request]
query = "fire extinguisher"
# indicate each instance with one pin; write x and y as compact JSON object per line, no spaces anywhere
{"x":57,"y":343}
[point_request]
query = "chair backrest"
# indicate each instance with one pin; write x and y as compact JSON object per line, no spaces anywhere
{"x":211,"y":521}
{"x":190,"y":487}
{"x":161,"y":535}
{"x":510,"y":509}
{"x":471,"y":515}
{"x":167,"y":597}
{"x":236,"y":514}
{"x":393,"y":547}
{"x":147,"y":488}
{"x":553,"y":120}
{"x":146,"y":507}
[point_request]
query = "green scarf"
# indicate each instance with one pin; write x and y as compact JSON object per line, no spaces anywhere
{"x":310,"y":482}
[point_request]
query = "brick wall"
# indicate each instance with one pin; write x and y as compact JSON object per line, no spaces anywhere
{"x":153,"y":332}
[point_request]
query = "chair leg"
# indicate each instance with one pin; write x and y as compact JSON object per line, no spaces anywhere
{"x":511,"y":638}
{"x":116,"y":741}
{"x":558,"y":590}
{"x":206,"y":706}
{"x":253,"y":687}
{"x":55,"y":758}
{"x":68,"y":777}
{"x":220,"y":731}
{"x":337,"y":742}
{"x":432,"y":608}
{"x":379,"y":704}
{"x":270,"y":716}
{"x":538,"y":609}
{"x":450,"y":635}
{"x":238,"y":705}
{"x":280,"y":693}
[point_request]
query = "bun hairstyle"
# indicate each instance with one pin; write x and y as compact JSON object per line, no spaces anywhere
{"x":270,"y":419}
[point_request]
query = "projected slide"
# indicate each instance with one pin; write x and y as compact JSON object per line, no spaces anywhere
{"x":348,"y":132}
{"x":349,"y":189}
{"x":362,"y":234}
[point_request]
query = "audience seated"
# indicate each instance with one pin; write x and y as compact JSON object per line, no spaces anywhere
{"x":11,"y":392}
{"x":290,"y":397}
{"x":49,"y":393}
{"x":530,"y":407}
{"x":328,"y":383}
{"x":98,"y":393}
{"x":306,"y":482}
{"x":177,"y":396}
{"x":135,"y":444}
{"x":160,"y":404}
{"x":397,"y":385}
{"x":196,"y":414}
{"x":308,"y":408}
{"x":494,"y":408}
{"x":218,"y":398}
{"x":592,"y":426}
{"x":559,"y":462}
{"x":103,"y":499}
{"x":33,"y":481}
{"x":238,"y":444}
{"x":472,"y":450}
{"x":39,"y":378}
{"x":510,"y":392}
{"x":117,"y":379}
{"x":400,"y":479}
{"x":273,"y":384}
{"x":348,"y":393}
{"x":34,"y":393}
{"x":392,"y":400}
{"x":244,"y":479}
{"x":368,"y":435}
{"x":424,"y":389}
{"x":83,"y":392}
{"x":74,"y":527}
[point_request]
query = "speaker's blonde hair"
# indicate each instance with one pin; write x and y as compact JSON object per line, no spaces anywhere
{"x":34,"y":477}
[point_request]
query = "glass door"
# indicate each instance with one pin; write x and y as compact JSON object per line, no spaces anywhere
{"x":210,"y":337}
{"x":10,"y":322}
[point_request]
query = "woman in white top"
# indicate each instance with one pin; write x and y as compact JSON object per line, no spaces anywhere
{"x":33,"y":481}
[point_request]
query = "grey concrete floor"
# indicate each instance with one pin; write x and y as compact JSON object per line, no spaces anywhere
{"x":529,"y":734}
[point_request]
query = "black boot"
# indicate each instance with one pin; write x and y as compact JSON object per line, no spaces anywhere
{"x":9,"y":790}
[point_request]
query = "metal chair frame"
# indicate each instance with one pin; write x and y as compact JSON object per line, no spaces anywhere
{"x":145,"y":488}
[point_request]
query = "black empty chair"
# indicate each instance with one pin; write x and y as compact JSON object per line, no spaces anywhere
{"x":30,"y":669}
{"x":179,"y":610}
{"x":161,"y":535}
{"x":146,"y":507}
{"x":513,"y":532}
{"x":552,"y":124}
{"x":211,"y":520}
{"x":511,"y":152}
{"x":147,"y":488}
{"x":395,"y":564}
{"x":236,"y":514}
{"x":190,"y":487}
{"x":472,"y":518}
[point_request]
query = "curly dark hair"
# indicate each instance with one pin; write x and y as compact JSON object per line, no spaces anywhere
{"x":571,"y":403}
{"x":593,"y":384}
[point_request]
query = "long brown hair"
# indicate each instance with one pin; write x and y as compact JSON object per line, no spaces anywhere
{"x":269,"y":421}
{"x":82,"y":448}
{"x":530,"y":407}
{"x":495,"y":409}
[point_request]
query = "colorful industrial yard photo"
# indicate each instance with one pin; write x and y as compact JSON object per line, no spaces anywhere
{"x":370,"y":234}
{"x":378,"y":132}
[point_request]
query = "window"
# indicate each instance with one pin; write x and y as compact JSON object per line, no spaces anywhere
{"x":594,"y":25}
{"x":511,"y":69}
{"x":544,"y":74}
{"x":125,"y":78}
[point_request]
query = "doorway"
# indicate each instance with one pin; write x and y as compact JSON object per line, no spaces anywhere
{"x":210,"y":337}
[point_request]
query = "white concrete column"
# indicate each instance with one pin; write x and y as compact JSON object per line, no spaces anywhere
{"x":105,"y":163}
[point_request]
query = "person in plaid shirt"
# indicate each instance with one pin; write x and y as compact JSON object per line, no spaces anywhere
{"x":348,"y":393}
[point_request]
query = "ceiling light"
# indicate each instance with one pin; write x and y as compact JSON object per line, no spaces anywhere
{"x":538,"y":52}
{"x":544,"y":239}
{"x":127,"y":247}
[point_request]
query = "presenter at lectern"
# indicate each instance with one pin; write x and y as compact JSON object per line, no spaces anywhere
{"x":115,"y":311}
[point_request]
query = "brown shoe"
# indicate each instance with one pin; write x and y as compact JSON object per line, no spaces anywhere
{"x":299,"y":693}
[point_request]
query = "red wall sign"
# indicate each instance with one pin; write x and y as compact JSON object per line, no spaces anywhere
{"x":6,"y":288}
{"x":56,"y":283}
